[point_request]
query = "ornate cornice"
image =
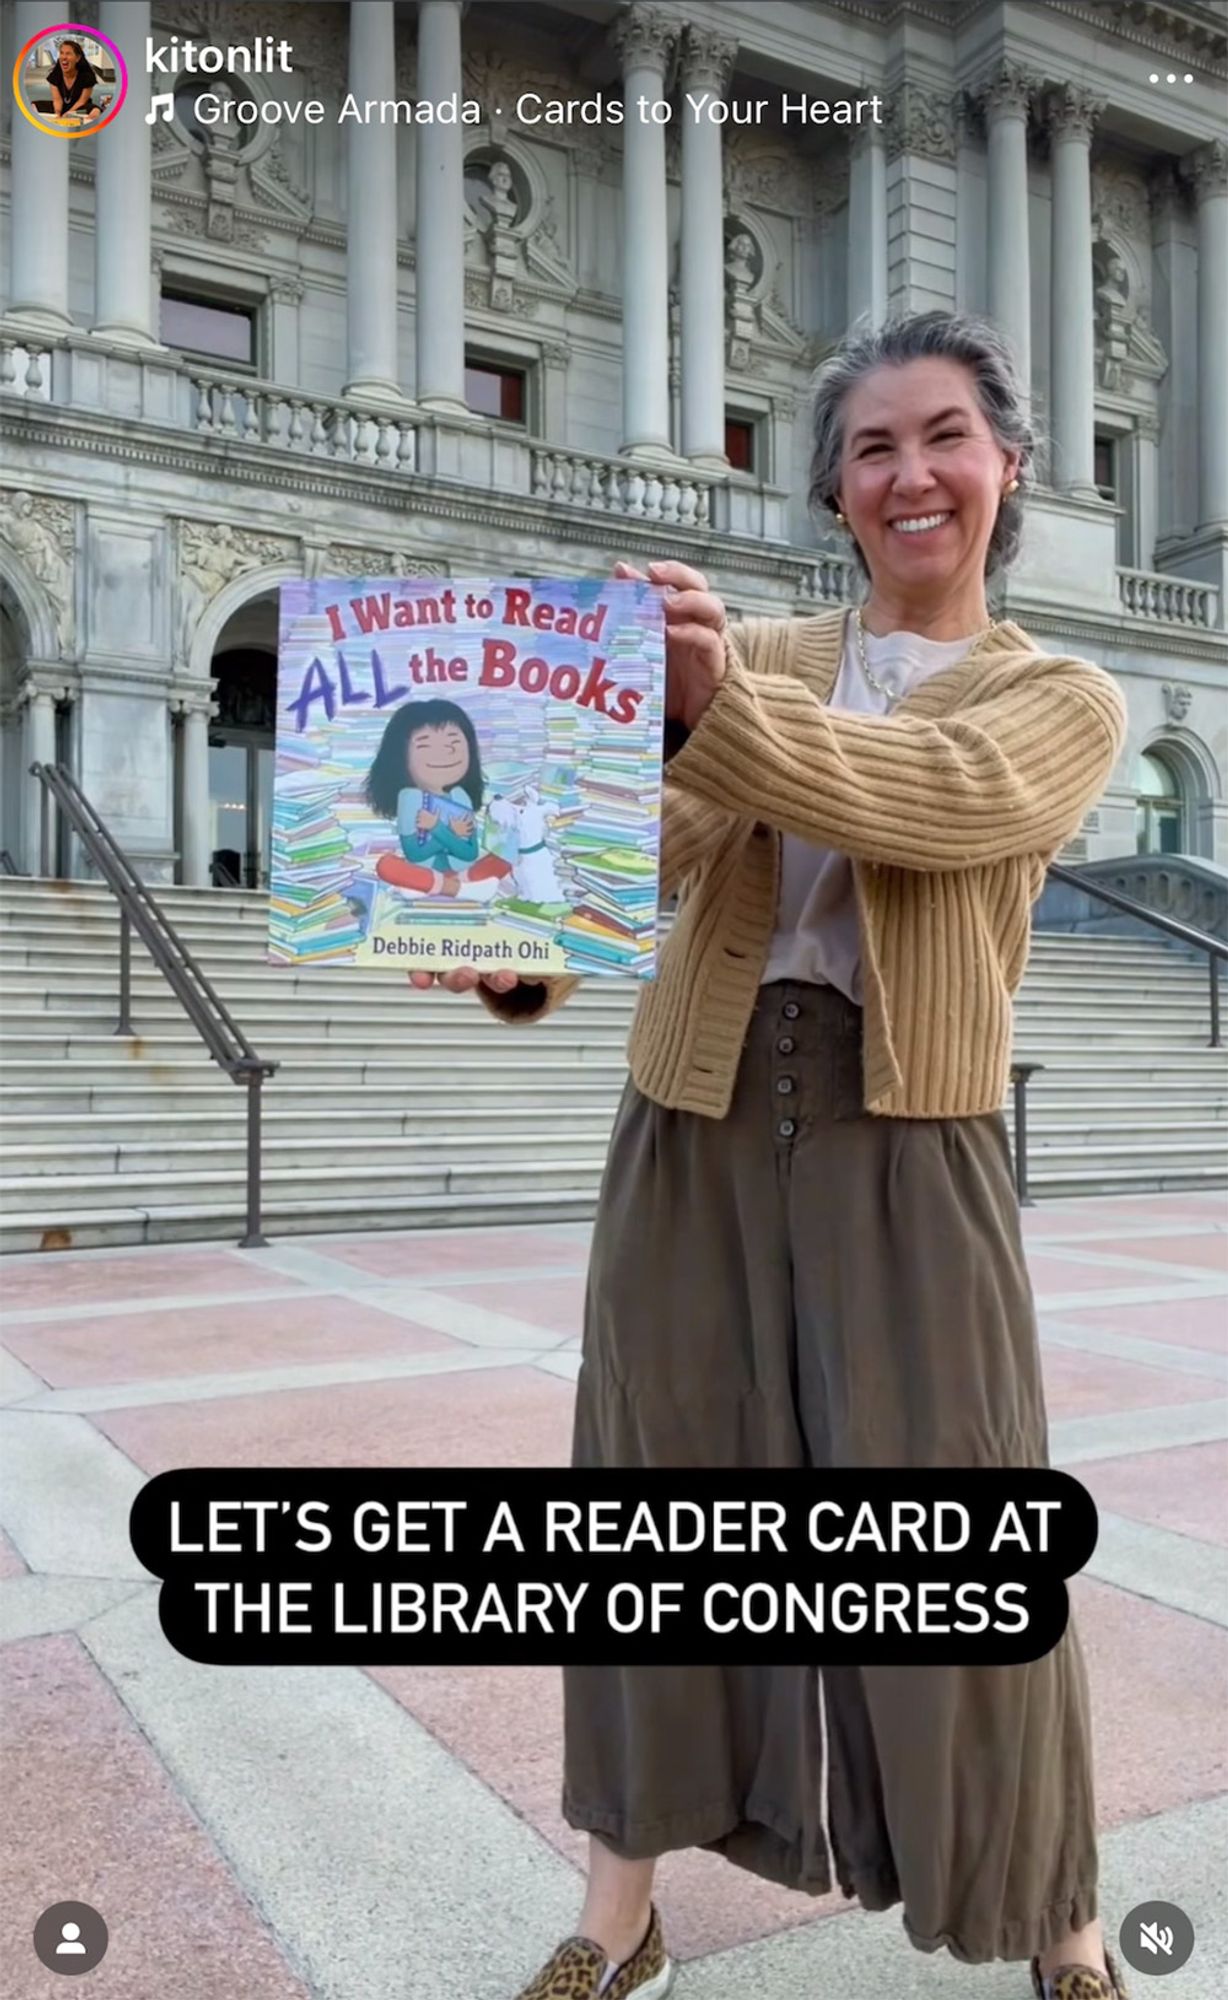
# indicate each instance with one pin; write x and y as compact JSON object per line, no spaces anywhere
{"x":644,"y":39}
{"x":707,"y":59}
{"x":1208,"y":169}
{"x":1071,"y":111}
{"x":1190,"y":32}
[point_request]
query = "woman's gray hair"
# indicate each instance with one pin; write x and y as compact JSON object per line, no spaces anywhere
{"x":921,"y":337}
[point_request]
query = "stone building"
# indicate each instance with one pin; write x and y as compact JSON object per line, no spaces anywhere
{"x":258,"y":338}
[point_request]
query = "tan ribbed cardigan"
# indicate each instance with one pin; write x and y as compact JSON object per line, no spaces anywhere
{"x":951,"y":808}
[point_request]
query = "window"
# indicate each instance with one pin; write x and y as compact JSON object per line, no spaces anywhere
{"x":1159,"y":815}
{"x":742,"y":444}
{"x":495,"y":391}
{"x":1105,"y":468}
{"x":210,"y":328}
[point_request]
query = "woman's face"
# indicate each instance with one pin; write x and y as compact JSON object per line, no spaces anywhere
{"x":68,"y":58}
{"x":917,"y":449}
{"x":438,"y":757}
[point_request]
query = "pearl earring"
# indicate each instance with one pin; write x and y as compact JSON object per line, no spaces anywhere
{"x":1013,"y":487}
{"x":839,"y":518}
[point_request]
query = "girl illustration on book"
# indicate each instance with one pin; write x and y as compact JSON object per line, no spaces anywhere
{"x":427,"y":776}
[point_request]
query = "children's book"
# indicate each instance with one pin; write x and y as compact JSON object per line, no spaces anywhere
{"x":468,"y":772}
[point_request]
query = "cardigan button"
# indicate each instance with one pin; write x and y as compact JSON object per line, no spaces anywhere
{"x":790,"y":1010}
{"x":786,"y":1128}
{"x":785,"y":1045}
{"x":784,"y":1085}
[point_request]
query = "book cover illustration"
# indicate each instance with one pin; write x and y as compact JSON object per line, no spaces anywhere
{"x":468,"y":772}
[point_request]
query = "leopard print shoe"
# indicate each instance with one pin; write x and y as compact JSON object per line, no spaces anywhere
{"x":1079,"y":1982}
{"x":576,"y":1968}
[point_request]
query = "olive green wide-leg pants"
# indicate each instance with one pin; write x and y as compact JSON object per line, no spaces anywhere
{"x":803,"y":1284}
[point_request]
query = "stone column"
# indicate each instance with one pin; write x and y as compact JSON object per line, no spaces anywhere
{"x":194,"y":805}
{"x":867,"y":247}
{"x":441,"y":214}
{"x":644,"y":40}
{"x":1005,"y":100}
{"x":707,"y":63}
{"x":122,"y":302}
{"x":371,"y":237}
{"x":1209,"y":171}
{"x":1072,"y":113}
{"x":38,"y":274}
{"x":38,"y":747}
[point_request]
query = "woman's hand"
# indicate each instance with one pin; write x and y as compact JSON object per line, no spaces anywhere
{"x":694,"y":637}
{"x":464,"y":978}
{"x":426,"y":820}
{"x":463,"y":825}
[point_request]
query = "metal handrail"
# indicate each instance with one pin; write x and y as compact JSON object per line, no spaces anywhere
{"x":7,"y":864}
{"x":138,"y":911}
{"x":1188,"y":934}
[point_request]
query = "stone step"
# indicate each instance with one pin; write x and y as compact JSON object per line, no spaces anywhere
{"x":571,"y":1167}
{"x":80,"y":1228}
{"x":225,"y":1123}
{"x":175,"y":1153}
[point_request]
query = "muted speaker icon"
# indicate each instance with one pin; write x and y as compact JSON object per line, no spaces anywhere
{"x":1156,"y":1938}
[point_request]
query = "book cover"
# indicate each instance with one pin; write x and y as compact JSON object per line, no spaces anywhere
{"x":468,"y":772}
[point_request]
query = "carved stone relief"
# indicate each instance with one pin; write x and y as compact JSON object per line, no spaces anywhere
{"x":211,"y":555}
{"x":40,"y":532}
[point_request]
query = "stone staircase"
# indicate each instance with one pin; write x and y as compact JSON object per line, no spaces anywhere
{"x":396,"y":1110}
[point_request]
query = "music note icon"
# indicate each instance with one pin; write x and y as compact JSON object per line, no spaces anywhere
{"x":162,"y":106}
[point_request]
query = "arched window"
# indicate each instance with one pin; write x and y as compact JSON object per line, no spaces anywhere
{"x":1159,"y":809}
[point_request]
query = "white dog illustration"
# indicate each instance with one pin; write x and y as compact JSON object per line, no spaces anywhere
{"x":534,"y":873}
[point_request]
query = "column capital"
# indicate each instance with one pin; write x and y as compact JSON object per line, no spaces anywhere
{"x":707,"y":59}
{"x":1072,"y":111}
{"x":644,"y":39}
{"x":1208,"y":169}
{"x":920,"y":121}
{"x":1007,"y":90}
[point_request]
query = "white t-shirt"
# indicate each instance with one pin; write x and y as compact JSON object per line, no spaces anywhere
{"x":816,"y":937}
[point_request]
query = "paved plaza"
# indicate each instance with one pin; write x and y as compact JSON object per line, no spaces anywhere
{"x":394,"y":1834}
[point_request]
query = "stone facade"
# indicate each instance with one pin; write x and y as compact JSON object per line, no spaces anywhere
{"x":644,"y":282}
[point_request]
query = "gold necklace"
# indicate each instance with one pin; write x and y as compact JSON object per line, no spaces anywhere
{"x":891,"y":695}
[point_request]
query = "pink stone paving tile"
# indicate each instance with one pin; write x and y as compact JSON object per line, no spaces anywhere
{"x":1069,"y":1218}
{"x":508,"y":1416}
{"x":1189,"y":1321}
{"x":120,"y":1839}
{"x":1054,"y":1276}
{"x":462,"y":1250}
{"x":1157,"y":1686}
{"x":505,"y":1724}
{"x":1209,"y":1250}
{"x":1185,"y":1489}
{"x":205,"y":1339}
{"x":106,"y":1278}
{"x":557,"y":1303}
{"x":11,"y":1563}
{"x":1087,"y":1385}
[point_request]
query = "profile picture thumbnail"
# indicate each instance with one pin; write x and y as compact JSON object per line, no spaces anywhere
{"x":69,"y":80}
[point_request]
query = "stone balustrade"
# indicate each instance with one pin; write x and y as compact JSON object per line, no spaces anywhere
{"x":318,"y":426}
{"x":24,"y":370}
{"x":637,"y":490}
{"x":1171,"y":600}
{"x":830,"y":578}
